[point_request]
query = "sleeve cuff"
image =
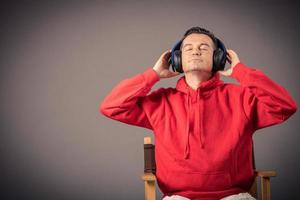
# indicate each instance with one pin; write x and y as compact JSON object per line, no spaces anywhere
{"x":150,"y":76}
{"x":239,"y":71}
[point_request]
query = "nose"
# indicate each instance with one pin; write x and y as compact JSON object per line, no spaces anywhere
{"x":196,"y":51}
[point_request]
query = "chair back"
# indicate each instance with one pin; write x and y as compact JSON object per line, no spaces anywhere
{"x":149,"y":156}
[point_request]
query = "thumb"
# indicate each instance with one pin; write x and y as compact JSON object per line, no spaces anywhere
{"x":225,"y":72}
{"x":172,"y":74}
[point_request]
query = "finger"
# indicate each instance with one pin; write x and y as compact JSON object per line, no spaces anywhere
{"x":221,"y":72}
{"x":229,"y":60}
{"x":167,"y":53}
{"x":167,"y":56}
{"x":224,"y":72}
{"x":171,"y":74}
{"x":232,"y":53}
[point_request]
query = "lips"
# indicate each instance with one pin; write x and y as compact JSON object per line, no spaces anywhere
{"x":195,"y":59}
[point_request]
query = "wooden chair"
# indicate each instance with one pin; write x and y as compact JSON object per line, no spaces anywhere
{"x":150,"y":169}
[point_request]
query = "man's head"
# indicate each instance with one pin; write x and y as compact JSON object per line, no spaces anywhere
{"x":197,"y":47}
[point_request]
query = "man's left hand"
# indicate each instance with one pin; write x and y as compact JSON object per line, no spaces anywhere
{"x":233,"y":59}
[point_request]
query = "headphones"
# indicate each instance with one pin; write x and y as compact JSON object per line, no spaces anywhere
{"x":219,"y":57}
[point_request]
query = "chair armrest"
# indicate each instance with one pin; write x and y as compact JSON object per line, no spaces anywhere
{"x":265,"y":176}
{"x":265,"y":173}
{"x":147,"y":176}
{"x":149,"y":181}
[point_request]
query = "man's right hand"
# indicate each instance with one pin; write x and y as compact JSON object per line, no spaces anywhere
{"x":162,"y":66}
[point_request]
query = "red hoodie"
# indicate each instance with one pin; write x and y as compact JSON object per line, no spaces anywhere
{"x":203,"y":137}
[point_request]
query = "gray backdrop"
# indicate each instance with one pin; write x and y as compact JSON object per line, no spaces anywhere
{"x":60,"y":58}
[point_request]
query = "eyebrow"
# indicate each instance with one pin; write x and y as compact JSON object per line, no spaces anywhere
{"x":191,"y":44}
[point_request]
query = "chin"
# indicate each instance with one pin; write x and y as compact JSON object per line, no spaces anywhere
{"x":195,"y":68}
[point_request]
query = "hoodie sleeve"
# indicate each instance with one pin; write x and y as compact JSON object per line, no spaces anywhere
{"x":265,"y":103}
{"x":124,"y":102}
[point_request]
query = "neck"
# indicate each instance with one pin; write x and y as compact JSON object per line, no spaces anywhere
{"x":195,"y":78}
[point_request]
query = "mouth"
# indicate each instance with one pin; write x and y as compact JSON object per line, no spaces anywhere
{"x":195,"y":59}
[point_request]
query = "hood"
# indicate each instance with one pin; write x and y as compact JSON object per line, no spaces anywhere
{"x":205,"y":88}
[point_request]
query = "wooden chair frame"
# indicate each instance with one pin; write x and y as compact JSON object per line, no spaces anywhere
{"x":149,"y":177}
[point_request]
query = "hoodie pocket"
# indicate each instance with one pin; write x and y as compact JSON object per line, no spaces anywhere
{"x":199,"y":181}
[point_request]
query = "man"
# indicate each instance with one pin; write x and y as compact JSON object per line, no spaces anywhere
{"x":203,"y":128}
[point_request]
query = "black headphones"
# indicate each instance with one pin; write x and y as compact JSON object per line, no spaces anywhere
{"x":219,"y":57}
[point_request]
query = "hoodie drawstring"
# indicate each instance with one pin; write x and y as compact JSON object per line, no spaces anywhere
{"x":198,"y":123}
{"x":187,"y":145}
{"x":206,"y":88}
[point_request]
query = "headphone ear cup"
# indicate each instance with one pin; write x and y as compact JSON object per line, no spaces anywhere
{"x":219,"y":57}
{"x":177,"y":61}
{"x":219,"y":60}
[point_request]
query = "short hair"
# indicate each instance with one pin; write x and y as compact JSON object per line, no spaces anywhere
{"x":200,"y":30}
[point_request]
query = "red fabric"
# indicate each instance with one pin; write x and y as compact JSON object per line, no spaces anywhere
{"x":203,"y":137}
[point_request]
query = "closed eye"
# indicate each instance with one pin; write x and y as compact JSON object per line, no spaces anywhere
{"x":202,"y":49}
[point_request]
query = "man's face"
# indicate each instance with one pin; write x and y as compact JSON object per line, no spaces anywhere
{"x":197,"y":53}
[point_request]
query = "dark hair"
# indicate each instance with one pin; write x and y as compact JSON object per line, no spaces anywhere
{"x":200,"y":31}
